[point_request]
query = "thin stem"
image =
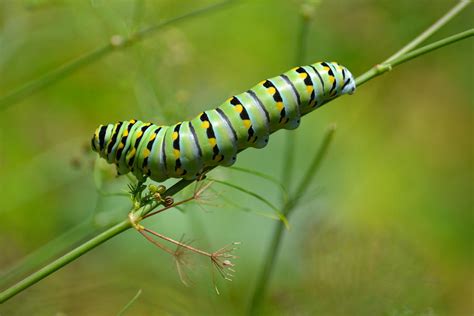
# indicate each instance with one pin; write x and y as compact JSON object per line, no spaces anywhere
{"x":47,"y":252}
{"x":289,"y":153}
{"x":64,"y":260}
{"x":382,"y":68}
{"x":265,"y":273}
{"x":117,"y":42}
{"x":258,"y":197}
{"x":125,"y":225}
{"x":168,"y":207}
{"x":127,"y":306}
{"x":312,"y":170}
{"x":431,"y":47}
{"x":262,"y":281}
{"x":54,"y":75}
{"x":79,"y":251}
{"x":154,"y":242}
{"x":431,"y":30}
{"x":178,"y":243}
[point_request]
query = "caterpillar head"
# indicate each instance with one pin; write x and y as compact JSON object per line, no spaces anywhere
{"x":100,"y":138}
{"x":349,"y":83}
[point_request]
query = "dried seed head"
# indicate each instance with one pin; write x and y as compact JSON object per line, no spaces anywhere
{"x":169,"y":201}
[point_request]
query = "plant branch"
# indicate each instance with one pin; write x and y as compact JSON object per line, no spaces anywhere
{"x":384,"y":67}
{"x":264,"y":276}
{"x":399,"y":57}
{"x":125,"y":225}
{"x":116,"y":42}
{"x":431,"y":30}
{"x":79,"y":251}
{"x":130,"y":303}
{"x":288,"y":161}
{"x":64,"y":260}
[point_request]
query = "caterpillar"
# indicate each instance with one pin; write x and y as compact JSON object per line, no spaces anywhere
{"x":214,"y":137}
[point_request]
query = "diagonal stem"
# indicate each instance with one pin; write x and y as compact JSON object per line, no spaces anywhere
{"x":431,"y":30}
{"x":126,"y":224}
{"x":265,"y":273}
{"x":116,"y":43}
{"x":78,"y":251}
{"x":384,"y":67}
{"x":201,"y":252}
{"x":288,"y":161}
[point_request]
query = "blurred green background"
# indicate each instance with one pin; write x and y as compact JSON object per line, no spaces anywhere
{"x":388,"y":225}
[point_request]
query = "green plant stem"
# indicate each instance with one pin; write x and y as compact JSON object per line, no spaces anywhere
{"x":47,"y":252}
{"x":288,"y":161}
{"x":264,"y":276}
{"x":123,"y":226}
{"x":62,"y":261}
{"x":384,"y":67}
{"x":116,"y":43}
{"x":130,"y":303}
{"x":431,"y":30}
{"x":80,"y":250}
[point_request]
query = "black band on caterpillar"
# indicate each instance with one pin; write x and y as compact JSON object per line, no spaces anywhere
{"x":214,"y":137}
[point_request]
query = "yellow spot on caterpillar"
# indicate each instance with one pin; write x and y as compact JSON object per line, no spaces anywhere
{"x":294,"y":69}
{"x":139,"y":134}
{"x":212,"y":141}
{"x":132,"y":121}
{"x":176,"y":153}
{"x":309,"y":89}
{"x":229,"y":99}
{"x":132,"y":153}
{"x":125,"y":133}
{"x":326,"y":68}
{"x":146,"y":153}
{"x":262,"y":82}
{"x":205,"y":124}
{"x":279,"y":105}
{"x":121,"y":145}
{"x":247,"y":123}
{"x":175,"y":135}
{"x":271,"y":90}
{"x":239,"y":108}
{"x":152,"y":137}
{"x":303,"y":75}
{"x":331,"y":79}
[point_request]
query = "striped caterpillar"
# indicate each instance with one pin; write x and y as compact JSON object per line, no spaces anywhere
{"x":214,"y":137}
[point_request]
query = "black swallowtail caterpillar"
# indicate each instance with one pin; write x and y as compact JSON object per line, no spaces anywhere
{"x":214,"y":137}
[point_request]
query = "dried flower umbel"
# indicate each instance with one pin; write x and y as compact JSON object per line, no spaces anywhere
{"x":145,"y":202}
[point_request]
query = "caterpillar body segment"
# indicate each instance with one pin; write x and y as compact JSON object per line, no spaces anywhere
{"x":214,"y":137}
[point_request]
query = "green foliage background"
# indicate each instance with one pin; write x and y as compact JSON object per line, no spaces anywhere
{"x":387,"y":229}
